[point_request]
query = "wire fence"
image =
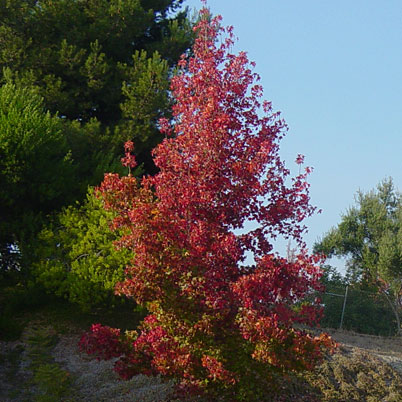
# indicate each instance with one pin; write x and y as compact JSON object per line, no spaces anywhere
{"x":362,"y":311}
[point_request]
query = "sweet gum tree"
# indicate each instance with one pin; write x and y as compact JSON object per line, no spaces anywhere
{"x":216,"y":326}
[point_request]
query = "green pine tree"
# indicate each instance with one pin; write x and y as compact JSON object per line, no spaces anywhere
{"x":370,"y":236}
{"x":76,"y":255}
{"x":37,"y":173}
{"x":102,"y":70}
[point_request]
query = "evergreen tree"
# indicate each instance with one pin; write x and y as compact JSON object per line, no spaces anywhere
{"x":370,"y":236}
{"x":76,"y":257}
{"x":100,"y":62}
{"x":102,"y":70}
{"x":36,"y":171}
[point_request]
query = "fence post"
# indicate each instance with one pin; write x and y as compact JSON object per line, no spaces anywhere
{"x":344,"y":305}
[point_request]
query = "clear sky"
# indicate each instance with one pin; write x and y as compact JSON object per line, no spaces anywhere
{"x":334,"y":70}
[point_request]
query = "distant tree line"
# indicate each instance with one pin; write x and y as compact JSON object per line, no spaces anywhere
{"x":357,"y":306}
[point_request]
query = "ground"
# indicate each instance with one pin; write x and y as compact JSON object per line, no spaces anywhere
{"x":44,"y":365}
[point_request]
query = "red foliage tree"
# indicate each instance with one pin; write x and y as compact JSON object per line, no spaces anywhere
{"x":215,"y":325}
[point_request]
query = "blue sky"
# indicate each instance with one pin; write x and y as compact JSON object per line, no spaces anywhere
{"x":334,"y":70}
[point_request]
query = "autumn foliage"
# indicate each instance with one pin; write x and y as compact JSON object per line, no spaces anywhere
{"x":217,"y":326}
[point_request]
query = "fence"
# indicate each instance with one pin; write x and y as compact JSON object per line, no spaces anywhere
{"x":357,"y":310}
